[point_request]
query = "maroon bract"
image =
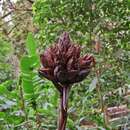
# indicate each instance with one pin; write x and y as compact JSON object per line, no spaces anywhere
{"x":62,"y":64}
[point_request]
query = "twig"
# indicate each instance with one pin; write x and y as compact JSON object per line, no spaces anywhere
{"x":22,"y":98}
{"x":19,"y":16}
{"x":12,"y":28}
{"x":30,"y":1}
{"x":6,"y":15}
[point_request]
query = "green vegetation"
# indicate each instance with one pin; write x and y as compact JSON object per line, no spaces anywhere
{"x":27,"y":27}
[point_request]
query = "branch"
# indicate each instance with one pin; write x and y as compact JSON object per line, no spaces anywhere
{"x":6,"y":15}
{"x":19,"y":16}
{"x":11,"y":6}
{"x":10,"y":2}
{"x":12,"y":28}
{"x":30,"y":1}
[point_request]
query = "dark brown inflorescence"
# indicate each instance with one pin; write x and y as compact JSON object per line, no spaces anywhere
{"x":62,"y":63}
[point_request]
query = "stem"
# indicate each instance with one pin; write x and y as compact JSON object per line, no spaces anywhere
{"x":63,"y":108}
{"x":22,"y":98}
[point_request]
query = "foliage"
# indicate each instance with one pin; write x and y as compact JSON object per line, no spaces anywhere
{"x":5,"y":68}
{"x":107,"y":20}
{"x":102,"y":27}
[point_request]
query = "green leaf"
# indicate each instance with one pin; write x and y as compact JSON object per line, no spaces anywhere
{"x":46,"y":111}
{"x":129,"y":5}
{"x":27,"y":86}
{"x":4,"y":87}
{"x":31,"y":44}
{"x":13,"y":119}
{"x":28,"y":63}
{"x":3,"y":90}
{"x":2,"y":115}
{"x":70,"y":123}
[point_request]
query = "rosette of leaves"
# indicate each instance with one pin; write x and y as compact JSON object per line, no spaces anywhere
{"x":62,"y":64}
